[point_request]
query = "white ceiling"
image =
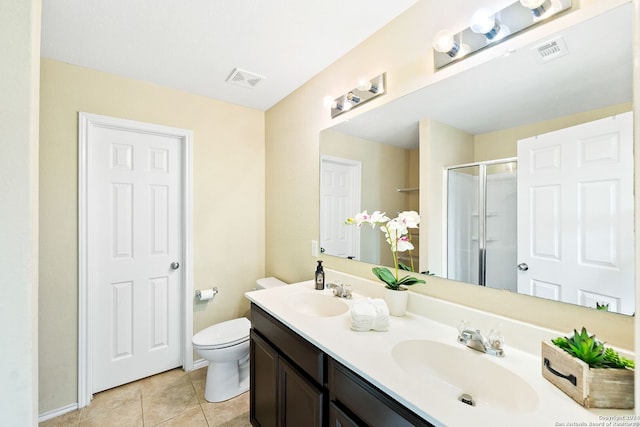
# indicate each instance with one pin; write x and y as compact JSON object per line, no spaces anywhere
{"x":194,"y":45}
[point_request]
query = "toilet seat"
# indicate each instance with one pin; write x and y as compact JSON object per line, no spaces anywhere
{"x":224,"y":334}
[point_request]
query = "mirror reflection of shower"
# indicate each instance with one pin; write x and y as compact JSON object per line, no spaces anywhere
{"x":481,"y":223}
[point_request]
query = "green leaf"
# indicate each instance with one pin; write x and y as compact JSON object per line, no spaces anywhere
{"x":561,"y":342}
{"x":404,"y":267}
{"x":386,"y":276}
{"x":409,"y":280}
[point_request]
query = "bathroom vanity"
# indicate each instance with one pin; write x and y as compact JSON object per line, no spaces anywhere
{"x":309,"y":368}
{"x":294,"y":383}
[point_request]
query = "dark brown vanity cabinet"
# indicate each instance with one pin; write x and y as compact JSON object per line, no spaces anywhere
{"x":356,"y":402}
{"x":287,"y":376}
{"x":294,"y":384}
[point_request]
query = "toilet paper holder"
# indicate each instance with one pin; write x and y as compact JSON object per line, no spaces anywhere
{"x":206,"y":294}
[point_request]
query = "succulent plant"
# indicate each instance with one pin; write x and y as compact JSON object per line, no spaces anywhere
{"x":614,"y":360}
{"x":593,"y":352}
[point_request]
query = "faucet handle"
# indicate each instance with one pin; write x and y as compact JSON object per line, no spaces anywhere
{"x":341,"y":290}
{"x":495,"y":339}
{"x":346,"y":291}
{"x":463,"y":326}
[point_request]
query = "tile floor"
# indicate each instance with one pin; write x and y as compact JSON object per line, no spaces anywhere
{"x":172,"y":399}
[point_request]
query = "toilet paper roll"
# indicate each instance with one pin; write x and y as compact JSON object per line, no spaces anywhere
{"x":206,"y":294}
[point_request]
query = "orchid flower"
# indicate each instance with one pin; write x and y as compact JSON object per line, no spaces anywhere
{"x":396,"y":232}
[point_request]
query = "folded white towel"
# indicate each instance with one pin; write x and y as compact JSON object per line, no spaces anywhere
{"x":381,"y":321}
{"x":367,"y":314}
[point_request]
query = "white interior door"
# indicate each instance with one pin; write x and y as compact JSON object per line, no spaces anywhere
{"x":339,"y":200}
{"x":575,"y":214}
{"x":135,"y":254}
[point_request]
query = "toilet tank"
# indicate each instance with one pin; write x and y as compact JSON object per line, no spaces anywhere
{"x":268,"y":282}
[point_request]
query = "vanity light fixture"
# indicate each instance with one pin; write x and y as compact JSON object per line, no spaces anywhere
{"x":489,"y":27}
{"x":364,"y":92}
{"x":353,"y":98}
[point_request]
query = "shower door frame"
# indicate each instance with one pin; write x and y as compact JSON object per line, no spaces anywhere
{"x":482,"y":213}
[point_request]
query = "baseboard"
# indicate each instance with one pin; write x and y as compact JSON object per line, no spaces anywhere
{"x":200,"y":363}
{"x":57,"y":412}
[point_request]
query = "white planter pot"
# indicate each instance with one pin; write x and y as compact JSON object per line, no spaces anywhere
{"x":396,"y":301}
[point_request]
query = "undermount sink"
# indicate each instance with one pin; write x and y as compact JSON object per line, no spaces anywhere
{"x":466,"y":371}
{"x":318,"y":305}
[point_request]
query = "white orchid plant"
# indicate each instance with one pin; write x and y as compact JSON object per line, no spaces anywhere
{"x":396,"y":232}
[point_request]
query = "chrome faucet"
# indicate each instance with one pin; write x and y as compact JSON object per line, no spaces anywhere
{"x":473,"y":339}
{"x":340,"y":290}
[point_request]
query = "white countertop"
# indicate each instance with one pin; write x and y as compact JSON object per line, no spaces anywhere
{"x":370,"y":355}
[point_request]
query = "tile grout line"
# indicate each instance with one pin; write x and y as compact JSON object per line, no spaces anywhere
{"x":141,"y":405}
{"x":206,"y":420}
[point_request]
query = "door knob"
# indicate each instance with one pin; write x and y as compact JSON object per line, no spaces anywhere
{"x":523,"y":266}
{"x":175,"y":265}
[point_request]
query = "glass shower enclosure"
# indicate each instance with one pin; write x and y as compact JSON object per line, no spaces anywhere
{"x":481,"y":223}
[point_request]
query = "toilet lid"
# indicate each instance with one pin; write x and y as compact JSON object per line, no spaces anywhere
{"x":223,"y":334}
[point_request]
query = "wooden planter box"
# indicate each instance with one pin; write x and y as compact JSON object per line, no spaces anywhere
{"x":592,"y":388}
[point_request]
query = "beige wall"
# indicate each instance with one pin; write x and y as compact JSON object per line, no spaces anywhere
{"x":383,"y":167}
{"x":19,"y":80}
{"x":442,"y":146}
{"x":228,"y":194}
{"x":504,"y":143}
{"x":292,"y":140}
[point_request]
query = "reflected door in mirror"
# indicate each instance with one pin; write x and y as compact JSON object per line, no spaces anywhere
{"x":575,"y":204}
{"x":339,"y":200}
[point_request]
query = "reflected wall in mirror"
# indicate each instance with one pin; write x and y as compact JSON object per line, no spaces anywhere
{"x":479,"y":116}
{"x":389,"y":177}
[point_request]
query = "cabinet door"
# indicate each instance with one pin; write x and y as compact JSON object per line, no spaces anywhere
{"x":337,"y":418}
{"x":300,"y":400}
{"x":264,"y":383}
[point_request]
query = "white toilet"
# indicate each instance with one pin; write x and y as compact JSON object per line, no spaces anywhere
{"x":226,"y":346}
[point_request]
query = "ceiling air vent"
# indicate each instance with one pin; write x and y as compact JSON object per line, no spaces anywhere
{"x":244,"y":78}
{"x":551,"y":49}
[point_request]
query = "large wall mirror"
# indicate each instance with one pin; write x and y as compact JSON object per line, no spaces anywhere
{"x":521,"y":168}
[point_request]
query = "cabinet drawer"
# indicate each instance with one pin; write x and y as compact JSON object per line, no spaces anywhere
{"x":367,"y":402}
{"x":305,"y":355}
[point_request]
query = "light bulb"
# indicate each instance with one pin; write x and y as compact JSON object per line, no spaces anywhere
{"x":329,"y":102}
{"x":445,"y":43}
{"x":483,"y":21}
{"x":364,"y":85}
{"x":538,"y":7}
{"x":532,"y":4}
{"x":345,"y":104}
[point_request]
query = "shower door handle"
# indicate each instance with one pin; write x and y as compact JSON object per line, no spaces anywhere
{"x":523,"y":266}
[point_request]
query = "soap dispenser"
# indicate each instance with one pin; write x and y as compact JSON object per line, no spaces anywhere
{"x":319,"y":276}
